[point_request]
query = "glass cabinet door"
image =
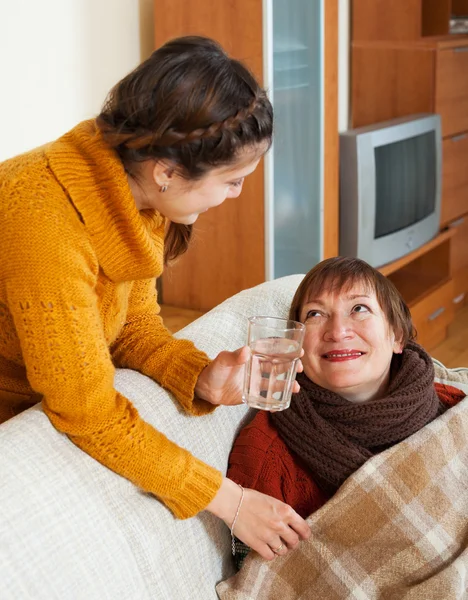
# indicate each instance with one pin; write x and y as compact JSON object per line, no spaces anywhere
{"x":293,"y":38}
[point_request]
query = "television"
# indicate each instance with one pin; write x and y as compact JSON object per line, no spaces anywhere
{"x":390,"y":187}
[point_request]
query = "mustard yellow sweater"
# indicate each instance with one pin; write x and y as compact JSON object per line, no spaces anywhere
{"x":78,"y":264}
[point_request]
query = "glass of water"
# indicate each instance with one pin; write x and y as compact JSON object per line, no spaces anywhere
{"x":276,"y":346}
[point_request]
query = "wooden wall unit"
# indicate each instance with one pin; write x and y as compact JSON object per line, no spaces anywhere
{"x":398,"y":20}
{"x":228,"y":251}
{"x":397,"y":70}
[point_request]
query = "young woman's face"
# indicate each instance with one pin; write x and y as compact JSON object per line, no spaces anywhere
{"x":184,"y":201}
{"x":348,"y":344}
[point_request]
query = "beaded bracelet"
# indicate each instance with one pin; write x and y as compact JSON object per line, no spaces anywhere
{"x":233,"y":541}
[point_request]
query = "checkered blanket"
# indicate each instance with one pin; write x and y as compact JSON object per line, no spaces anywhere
{"x":397,"y":529}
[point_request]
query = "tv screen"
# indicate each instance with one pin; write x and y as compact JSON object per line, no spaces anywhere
{"x":405,"y":175}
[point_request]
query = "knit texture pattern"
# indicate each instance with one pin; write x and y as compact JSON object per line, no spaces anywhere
{"x":78,"y":264}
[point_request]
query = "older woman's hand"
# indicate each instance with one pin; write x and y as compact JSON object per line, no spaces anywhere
{"x":222,"y":380}
{"x":265,"y":524}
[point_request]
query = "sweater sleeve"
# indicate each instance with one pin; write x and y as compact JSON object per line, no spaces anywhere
{"x":50,"y":277}
{"x":146,"y":345}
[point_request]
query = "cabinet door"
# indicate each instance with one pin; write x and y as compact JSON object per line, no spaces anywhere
{"x":452,"y":89}
{"x":459,"y":262}
{"x":295,"y":164}
{"x":432,"y":315}
{"x":454,"y":178}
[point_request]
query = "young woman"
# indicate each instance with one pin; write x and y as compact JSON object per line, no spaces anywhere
{"x":83,"y":224}
{"x":366,"y":386}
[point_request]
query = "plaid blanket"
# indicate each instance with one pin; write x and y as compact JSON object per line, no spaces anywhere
{"x":397,"y":529}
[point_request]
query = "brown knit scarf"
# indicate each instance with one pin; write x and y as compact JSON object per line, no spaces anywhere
{"x":334,"y":437}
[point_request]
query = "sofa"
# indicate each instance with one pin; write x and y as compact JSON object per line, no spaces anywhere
{"x":72,"y":529}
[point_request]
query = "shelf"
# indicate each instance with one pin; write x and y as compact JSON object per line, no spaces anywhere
{"x":289,"y":68}
{"x":404,"y":260}
{"x":286,"y":46}
{"x":287,"y":88}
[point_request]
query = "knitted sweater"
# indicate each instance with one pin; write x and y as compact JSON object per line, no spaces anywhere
{"x":261,"y":460}
{"x":78,"y":264}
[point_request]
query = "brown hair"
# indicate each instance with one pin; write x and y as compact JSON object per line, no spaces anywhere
{"x":191,"y":104}
{"x":341,"y":273}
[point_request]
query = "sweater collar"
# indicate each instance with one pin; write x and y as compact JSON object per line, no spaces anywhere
{"x":128,"y":243}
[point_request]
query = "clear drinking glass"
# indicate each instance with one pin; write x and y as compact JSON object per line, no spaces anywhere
{"x":276,"y":346}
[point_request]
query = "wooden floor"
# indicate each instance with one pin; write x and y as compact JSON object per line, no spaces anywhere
{"x":177,"y":318}
{"x":452,"y":352}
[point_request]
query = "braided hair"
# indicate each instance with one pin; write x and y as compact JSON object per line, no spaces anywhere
{"x":191,"y":104}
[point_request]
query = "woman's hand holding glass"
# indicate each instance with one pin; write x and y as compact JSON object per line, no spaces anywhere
{"x":221,"y":382}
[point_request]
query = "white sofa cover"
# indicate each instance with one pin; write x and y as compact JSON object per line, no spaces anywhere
{"x":72,"y":529}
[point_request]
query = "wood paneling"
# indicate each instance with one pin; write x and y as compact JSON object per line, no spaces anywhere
{"x":459,"y":259}
{"x":459,"y":262}
{"x":440,"y":239}
{"x":331,"y":141}
{"x":454,"y":178}
{"x":432,"y":315}
{"x":227,"y":254}
{"x":389,"y":82}
{"x":424,"y":275}
{"x":378,"y":20}
{"x":460,"y":7}
{"x":460,"y":289}
{"x":398,"y":20}
{"x":435,"y":17}
{"x":235,"y":24}
{"x":452,"y":89}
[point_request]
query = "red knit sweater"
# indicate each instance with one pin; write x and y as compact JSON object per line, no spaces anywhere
{"x":260,"y":460}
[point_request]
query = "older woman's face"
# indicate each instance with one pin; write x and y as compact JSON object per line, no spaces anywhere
{"x":348,"y":344}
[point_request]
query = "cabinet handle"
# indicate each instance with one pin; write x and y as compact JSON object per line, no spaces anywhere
{"x":457,"y":138}
{"x":459,"y":298}
{"x":436,"y":313}
{"x":461,"y":49}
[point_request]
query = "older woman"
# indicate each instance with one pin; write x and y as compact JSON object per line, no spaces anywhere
{"x":366,"y":386}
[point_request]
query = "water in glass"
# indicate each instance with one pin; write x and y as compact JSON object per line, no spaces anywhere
{"x":270,"y":373}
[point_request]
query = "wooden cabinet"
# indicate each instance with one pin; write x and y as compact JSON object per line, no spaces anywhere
{"x":397,"y":79}
{"x":459,"y":262}
{"x":451,"y":86}
{"x":398,"y":20}
{"x":230,"y":249}
{"x":403,"y":63}
{"x":454,"y":178}
{"x":424,"y":279}
{"x":433,"y":314}
{"x":428,"y":75}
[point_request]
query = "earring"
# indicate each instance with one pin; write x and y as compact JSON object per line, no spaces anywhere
{"x":163,"y":188}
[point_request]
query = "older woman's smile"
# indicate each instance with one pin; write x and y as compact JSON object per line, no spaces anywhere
{"x":342,"y":355}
